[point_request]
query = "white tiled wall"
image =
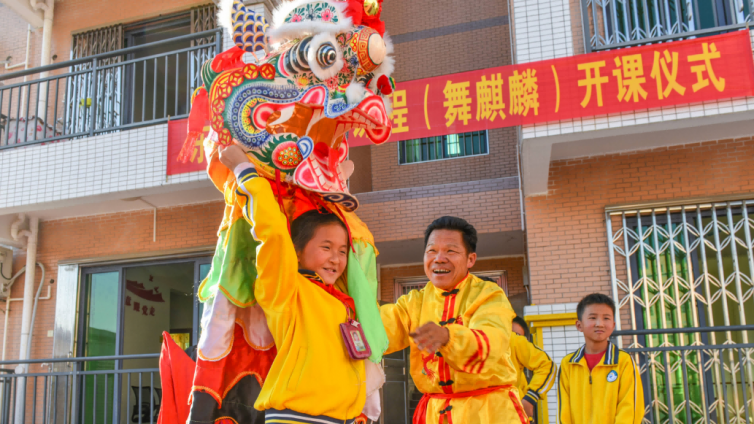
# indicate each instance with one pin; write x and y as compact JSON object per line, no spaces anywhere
{"x":624,"y":119}
{"x":558,"y":342}
{"x":70,"y":169}
{"x":543,"y":30}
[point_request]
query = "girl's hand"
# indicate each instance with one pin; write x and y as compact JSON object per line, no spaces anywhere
{"x":232,"y":156}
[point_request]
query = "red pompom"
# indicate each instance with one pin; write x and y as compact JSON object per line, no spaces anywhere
{"x":383,"y":84}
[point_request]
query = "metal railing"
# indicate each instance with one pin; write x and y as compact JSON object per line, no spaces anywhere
{"x":686,"y":380}
{"x":610,"y":24}
{"x":128,"y":88}
{"x":93,"y":390}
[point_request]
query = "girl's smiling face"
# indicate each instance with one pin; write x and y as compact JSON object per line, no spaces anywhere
{"x":326,"y":253}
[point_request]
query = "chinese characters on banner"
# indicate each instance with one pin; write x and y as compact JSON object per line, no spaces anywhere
{"x":177,"y":133}
{"x":637,"y":78}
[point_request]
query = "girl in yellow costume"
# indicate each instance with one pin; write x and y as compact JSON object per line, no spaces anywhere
{"x":313,"y":379}
{"x":326,"y":73}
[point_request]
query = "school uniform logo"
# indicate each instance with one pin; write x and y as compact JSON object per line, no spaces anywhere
{"x":612,"y":376}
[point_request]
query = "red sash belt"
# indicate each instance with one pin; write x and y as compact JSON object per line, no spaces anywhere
{"x":420,"y":414}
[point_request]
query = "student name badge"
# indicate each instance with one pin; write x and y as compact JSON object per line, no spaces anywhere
{"x":612,"y":376}
{"x":356,"y":343}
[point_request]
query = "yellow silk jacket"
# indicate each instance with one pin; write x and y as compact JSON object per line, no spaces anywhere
{"x":312,"y":372}
{"x":478,"y":315}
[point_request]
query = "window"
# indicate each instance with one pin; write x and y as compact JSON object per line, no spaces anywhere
{"x":686,"y":266}
{"x":442,"y":147}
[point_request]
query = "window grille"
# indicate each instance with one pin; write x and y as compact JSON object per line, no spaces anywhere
{"x":110,"y":99}
{"x":620,"y":23}
{"x":442,"y":147}
{"x":682,"y":278}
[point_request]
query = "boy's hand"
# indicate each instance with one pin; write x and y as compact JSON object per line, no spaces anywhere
{"x":232,"y":156}
{"x":430,"y":337}
{"x":528,"y":408}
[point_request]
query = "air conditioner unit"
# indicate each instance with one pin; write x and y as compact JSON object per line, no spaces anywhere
{"x":6,"y":270}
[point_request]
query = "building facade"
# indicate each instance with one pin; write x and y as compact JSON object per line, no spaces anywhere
{"x":647,"y":203}
{"x":123,"y":241}
{"x":649,"y":206}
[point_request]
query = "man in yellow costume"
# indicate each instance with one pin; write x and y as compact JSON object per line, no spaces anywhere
{"x":458,"y":328}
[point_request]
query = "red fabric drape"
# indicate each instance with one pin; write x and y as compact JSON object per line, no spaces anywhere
{"x":176,"y":374}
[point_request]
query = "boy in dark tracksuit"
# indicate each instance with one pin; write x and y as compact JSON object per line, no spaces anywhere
{"x":599,"y":383}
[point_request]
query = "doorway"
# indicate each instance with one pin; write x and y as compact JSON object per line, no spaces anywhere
{"x":125,"y":310}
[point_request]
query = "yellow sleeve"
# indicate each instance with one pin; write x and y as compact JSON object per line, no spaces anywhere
{"x":482,"y":343}
{"x":630,"y":408}
{"x":397,"y":322}
{"x":277,"y":264}
{"x":564,"y":394}
{"x":539,"y":363}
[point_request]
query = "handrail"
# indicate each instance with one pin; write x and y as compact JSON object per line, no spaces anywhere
{"x":684,"y":330}
{"x":87,"y":59}
{"x":689,"y":347}
{"x":73,"y":103}
{"x":82,"y":359}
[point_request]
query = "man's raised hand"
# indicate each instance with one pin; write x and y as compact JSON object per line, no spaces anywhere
{"x":430,"y":337}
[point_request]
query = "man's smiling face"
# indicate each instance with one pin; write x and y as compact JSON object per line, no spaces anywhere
{"x":446,"y":260}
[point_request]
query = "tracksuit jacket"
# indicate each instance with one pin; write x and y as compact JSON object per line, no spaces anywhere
{"x":525,"y":355}
{"x":611,"y":393}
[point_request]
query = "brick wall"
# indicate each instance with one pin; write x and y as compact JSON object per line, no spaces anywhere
{"x":566,"y":233}
{"x":80,"y":15}
{"x":101,"y":236}
{"x":195,"y":226}
{"x":432,"y":38}
{"x":13,"y":41}
{"x":388,"y":174}
{"x":513,"y":265}
{"x":577,"y":29}
{"x":488,"y":212}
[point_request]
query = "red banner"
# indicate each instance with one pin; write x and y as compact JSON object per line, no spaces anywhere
{"x":680,"y":72}
{"x":177,"y":132}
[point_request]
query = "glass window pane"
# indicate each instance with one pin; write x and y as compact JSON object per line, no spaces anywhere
{"x":442,"y":147}
{"x":100,"y":332}
{"x":101,"y":315}
{"x":453,"y":145}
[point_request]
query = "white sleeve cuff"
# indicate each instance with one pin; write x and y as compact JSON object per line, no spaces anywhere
{"x":242,"y":167}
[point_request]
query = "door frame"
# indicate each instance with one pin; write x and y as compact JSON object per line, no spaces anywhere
{"x":120,"y":268}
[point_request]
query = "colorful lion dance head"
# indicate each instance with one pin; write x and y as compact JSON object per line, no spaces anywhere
{"x":325,"y":71}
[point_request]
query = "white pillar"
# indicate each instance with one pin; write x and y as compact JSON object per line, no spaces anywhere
{"x":46,"y":59}
{"x":28,"y":304}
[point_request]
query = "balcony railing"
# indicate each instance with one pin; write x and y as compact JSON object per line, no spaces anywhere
{"x":690,"y":377}
{"x":128,"y":88}
{"x":94,"y":390}
{"x":611,"y":24}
